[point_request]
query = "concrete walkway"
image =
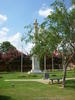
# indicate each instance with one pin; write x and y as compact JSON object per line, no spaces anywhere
{"x":44,"y":81}
{"x":26,"y":80}
{"x":70,"y":78}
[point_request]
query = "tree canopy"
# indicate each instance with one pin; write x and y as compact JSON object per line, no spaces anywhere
{"x":5,"y":46}
{"x":57,"y":32}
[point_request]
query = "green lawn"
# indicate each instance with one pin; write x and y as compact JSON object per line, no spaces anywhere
{"x":35,"y":90}
{"x":18,"y":75}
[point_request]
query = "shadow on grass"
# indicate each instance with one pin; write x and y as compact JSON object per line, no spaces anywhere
{"x":70,"y":84}
{"x":2,"y":97}
{"x":28,"y":76}
{"x":4,"y":72}
{"x":1,"y":77}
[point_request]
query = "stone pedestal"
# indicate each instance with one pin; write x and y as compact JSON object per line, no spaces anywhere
{"x":35,"y":65}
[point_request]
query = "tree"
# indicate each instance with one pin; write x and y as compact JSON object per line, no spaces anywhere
{"x":57,"y":32}
{"x":5,"y":46}
{"x":60,"y":26}
{"x":8,"y":53}
{"x":73,"y":1}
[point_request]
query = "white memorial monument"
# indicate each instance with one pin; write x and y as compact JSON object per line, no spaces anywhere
{"x":35,"y":58}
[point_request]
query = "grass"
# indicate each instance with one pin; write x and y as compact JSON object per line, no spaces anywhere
{"x":35,"y":90}
{"x":18,"y":75}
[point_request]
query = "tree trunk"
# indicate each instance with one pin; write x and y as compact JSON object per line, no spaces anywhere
{"x":44,"y":63}
{"x":44,"y":66}
{"x":65,"y":69}
{"x":52,"y":64}
{"x":64,"y":77}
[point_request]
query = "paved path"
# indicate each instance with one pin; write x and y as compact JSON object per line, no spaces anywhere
{"x":26,"y":80}
{"x":70,"y":78}
{"x":44,"y":81}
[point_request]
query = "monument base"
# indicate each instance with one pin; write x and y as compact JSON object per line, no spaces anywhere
{"x":34,"y":72}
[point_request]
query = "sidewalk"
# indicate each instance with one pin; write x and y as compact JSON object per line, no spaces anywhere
{"x":26,"y":80}
{"x":44,"y":81}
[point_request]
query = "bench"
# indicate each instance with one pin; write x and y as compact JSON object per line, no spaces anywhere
{"x":58,"y":80}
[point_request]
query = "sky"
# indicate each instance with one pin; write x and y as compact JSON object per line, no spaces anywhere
{"x":15,"y":14}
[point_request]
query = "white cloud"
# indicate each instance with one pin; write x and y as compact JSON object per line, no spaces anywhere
{"x":15,"y":40}
{"x":4,"y":31}
{"x":15,"y":37}
{"x":3,"y":18}
{"x":45,"y":11}
{"x":29,"y":47}
{"x":72,"y":7}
